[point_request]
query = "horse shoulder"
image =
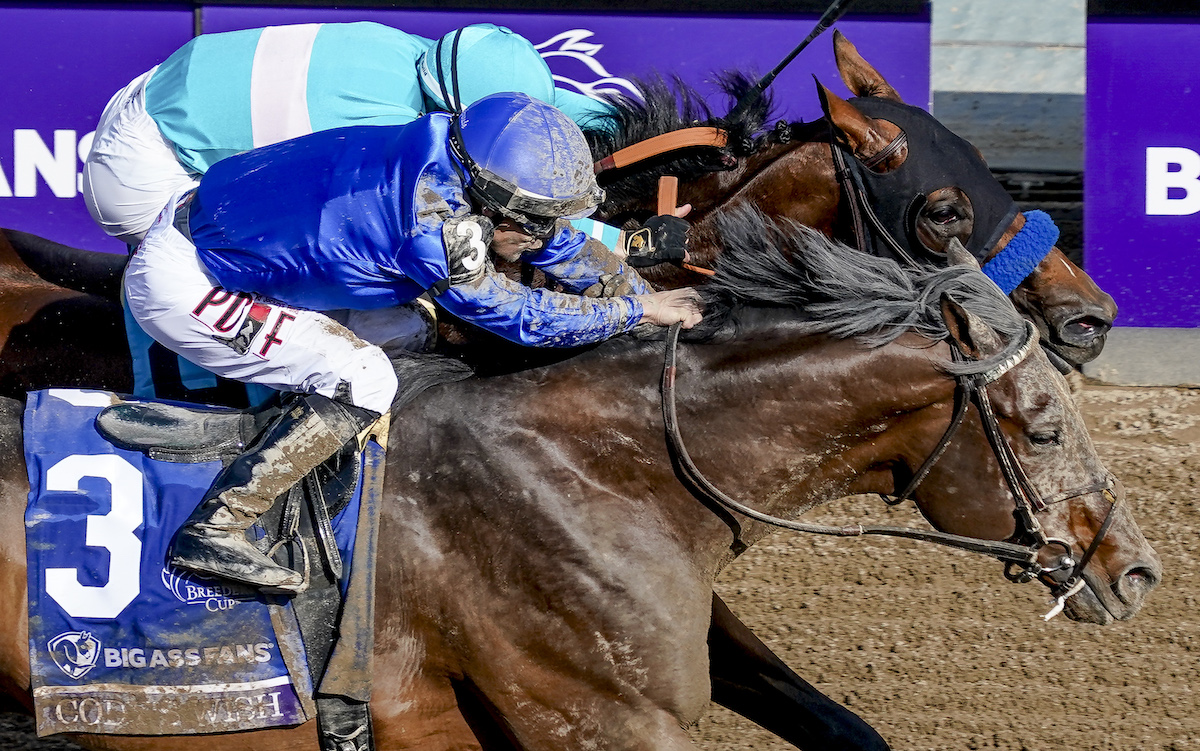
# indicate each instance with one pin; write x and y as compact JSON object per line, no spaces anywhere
{"x":513,"y":519}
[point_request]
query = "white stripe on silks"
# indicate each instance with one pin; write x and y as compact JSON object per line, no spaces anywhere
{"x":279,"y":83}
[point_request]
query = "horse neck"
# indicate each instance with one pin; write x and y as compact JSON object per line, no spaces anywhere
{"x":787,"y":424}
{"x":578,"y":461}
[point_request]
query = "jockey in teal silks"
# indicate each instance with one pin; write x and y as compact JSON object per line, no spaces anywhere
{"x":224,"y":94}
{"x":236,"y":274}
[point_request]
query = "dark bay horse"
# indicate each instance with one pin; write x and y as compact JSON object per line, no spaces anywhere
{"x":61,"y":346}
{"x":545,"y":580}
{"x":60,"y":319}
{"x":790,"y":172}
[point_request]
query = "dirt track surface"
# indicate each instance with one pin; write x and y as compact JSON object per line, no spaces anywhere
{"x":938,"y":651}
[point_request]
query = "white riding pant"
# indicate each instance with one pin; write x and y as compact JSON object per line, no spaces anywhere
{"x":251,"y":339}
{"x":131,"y":171}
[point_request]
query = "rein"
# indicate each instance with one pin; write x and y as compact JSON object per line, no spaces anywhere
{"x":700,"y":486}
{"x":661,"y":144}
{"x":1021,"y":560}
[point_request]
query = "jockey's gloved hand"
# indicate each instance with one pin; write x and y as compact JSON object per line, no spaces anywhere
{"x":662,"y":239}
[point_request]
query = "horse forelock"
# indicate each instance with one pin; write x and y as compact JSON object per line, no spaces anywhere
{"x":835,"y":290}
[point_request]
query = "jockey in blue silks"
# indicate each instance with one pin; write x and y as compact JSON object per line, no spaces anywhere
{"x":235,"y":275}
{"x":224,"y":94}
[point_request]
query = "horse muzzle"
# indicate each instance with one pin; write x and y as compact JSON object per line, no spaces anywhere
{"x":1083,"y":333}
{"x":1106,"y":600}
{"x":1072,"y":314}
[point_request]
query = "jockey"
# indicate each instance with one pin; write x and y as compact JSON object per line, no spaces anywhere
{"x":222,"y":94}
{"x":234,"y":275}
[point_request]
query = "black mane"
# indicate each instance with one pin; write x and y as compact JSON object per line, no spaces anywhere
{"x":835,"y":290}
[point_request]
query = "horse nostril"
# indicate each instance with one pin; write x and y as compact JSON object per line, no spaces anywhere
{"x":1084,"y":330}
{"x":1133,"y":586}
{"x":1143,"y":575}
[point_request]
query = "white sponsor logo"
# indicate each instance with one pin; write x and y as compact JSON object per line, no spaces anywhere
{"x":221,"y":654}
{"x":56,"y":161}
{"x":74,"y":652}
{"x":194,"y":591}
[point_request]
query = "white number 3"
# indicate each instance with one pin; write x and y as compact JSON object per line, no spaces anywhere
{"x":113,"y":531}
{"x":474,"y":234}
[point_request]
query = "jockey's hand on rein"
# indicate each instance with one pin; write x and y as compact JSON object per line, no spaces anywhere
{"x":683,"y":306}
{"x":663,"y":238}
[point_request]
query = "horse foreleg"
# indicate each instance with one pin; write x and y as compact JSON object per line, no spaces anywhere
{"x":748,"y":678}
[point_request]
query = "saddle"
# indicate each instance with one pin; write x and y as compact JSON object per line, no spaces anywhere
{"x":297,"y":524}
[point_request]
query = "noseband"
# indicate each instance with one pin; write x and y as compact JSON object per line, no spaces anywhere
{"x":1064,"y":575}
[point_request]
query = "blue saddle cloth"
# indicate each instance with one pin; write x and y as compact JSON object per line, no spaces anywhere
{"x":119,"y":642}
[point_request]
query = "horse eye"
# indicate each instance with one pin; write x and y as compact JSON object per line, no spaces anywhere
{"x":943,"y":215}
{"x":1048,"y":438}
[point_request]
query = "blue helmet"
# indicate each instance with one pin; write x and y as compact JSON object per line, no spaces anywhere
{"x":486,"y":59}
{"x":526,"y":160}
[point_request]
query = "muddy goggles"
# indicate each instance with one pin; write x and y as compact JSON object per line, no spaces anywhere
{"x":537,"y":215}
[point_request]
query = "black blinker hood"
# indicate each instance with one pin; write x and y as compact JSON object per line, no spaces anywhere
{"x":937,"y":158}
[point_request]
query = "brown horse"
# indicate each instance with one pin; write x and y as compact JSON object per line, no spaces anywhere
{"x":790,"y":172}
{"x":805,"y":188}
{"x":60,"y":319}
{"x":549,"y":578}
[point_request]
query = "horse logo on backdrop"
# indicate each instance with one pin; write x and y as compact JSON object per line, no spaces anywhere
{"x":74,"y":652}
{"x":593,"y":79}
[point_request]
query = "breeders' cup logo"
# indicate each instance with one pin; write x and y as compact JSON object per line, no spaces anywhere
{"x":593,"y":79}
{"x":74,"y":652}
{"x":196,"y":591}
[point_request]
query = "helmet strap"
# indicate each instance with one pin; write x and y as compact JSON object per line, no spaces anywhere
{"x":454,"y":105}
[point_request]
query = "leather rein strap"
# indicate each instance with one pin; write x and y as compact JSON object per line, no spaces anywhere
{"x":676,"y":139}
{"x":861,"y":213}
{"x":1022,"y":560}
{"x":700,"y":486}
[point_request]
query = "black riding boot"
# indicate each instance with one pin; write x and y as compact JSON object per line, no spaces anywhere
{"x":213,"y":540}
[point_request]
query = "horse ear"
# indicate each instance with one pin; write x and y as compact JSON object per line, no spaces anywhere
{"x":957,"y":255}
{"x":858,"y":128}
{"x":969,"y":332}
{"x":859,"y":75}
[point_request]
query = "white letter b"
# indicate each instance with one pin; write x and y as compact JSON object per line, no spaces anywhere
{"x":1160,"y":178}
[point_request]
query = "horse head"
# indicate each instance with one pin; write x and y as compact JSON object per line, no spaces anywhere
{"x":1060,"y":497}
{"x":928,"y":186}
{"x":953,"y":406}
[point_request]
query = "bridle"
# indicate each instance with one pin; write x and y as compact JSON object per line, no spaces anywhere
{"x":1064,"y":576}
{"x":865,"y":223}
{"x":861,"y":213}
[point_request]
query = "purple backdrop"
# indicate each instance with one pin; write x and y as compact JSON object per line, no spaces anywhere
{"x":60,"y":68}
{"x":62,"y":65}
{"x":1142,"y":167}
